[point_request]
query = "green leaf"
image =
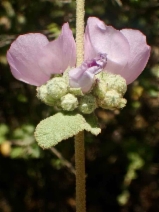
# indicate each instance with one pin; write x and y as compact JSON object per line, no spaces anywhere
{"x":54,"y":129}
{"x":61,"y":126}
{"x":92,"y":125}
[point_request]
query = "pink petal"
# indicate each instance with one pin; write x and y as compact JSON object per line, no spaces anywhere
{"x":60,"y":53}
{"x":100,"y":38}
{"x":139,"y":54}
{"x":84,"y":81}
{"x":23,"y":57}
{"x":83,"y":77}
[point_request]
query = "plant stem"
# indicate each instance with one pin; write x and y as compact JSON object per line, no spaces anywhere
{"x":79,"y":138}
{"x":79,"y":30}
{"x":80,"y":172}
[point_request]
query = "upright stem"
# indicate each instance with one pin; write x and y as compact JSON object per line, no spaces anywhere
{"x":79,"y":30}
{"x":79,"y":138}
{"x":80,"y":173}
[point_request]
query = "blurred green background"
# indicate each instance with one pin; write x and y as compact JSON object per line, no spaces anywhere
{"x":122,"y":163}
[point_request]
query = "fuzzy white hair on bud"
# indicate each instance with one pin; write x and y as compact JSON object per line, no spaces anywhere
{"x":57,"y":87}
{"x":69,"y":102}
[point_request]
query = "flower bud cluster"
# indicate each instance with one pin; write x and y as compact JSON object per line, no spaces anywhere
{"x":56,"y":93}
{"x":109,"y":90}
{"x":107,"y":93}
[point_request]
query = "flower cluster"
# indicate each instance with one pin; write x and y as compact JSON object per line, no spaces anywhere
{"x":107,"y":92}
{"x":112,"y":59}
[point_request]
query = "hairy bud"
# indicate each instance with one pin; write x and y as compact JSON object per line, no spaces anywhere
{"x":43,"y":95}
{"x":116,"y":82}
{"x":87,"y":104}
{"x":107,"y":81}
{"x":112,"y":100}
{"x":69,"y":102}
{"x":57,"y":87}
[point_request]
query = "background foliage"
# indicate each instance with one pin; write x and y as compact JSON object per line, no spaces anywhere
{"x":122,"y":163}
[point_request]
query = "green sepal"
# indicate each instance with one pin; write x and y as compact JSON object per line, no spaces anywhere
{"x":61,"y":126}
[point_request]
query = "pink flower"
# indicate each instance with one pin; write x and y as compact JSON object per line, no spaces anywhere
{"x":126,"y":50}
{"x":32,"y":58}
{"x":83,"y":76}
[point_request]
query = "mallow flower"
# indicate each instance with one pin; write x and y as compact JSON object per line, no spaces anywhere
{"x":112,"y":59}
{"x":33,"y":59}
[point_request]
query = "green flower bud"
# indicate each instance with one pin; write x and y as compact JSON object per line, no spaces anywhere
{"x":116,"y":82}
{"x":100,"y":87}
{"x":69,"y":102}
{"x":57,"y":87}
{"x":87,"y":104}
{"x":43,"y":95}
{"x":112,"y":100}
{"x":107,"y":81}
